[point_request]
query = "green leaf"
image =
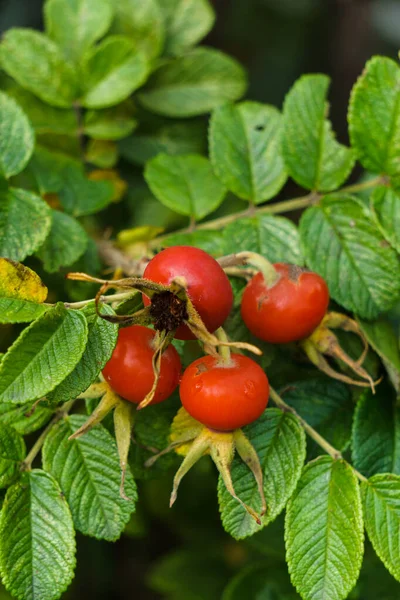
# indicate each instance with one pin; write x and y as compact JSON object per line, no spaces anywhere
{"x":112,"y":71}
{"x":57,"y":173}
{"x":45,"y":119}
{"x":37,"y":64}
{"x":276,"y":238}
{"x":12,"y":452}
{"x":14,"y":310}
{"x":209,"y":241}
{"x":327,"y":406}
{"x":65,"y":243}
{"x":186,"y":23}
{"x":342,"y":244}
{"x":24,"y":419}
{"x":112,"y":123}
{"x":194,"y":84}
{"x":17,"y":138}
{"x":385,"y":205}
{"x":25,"y":221}
{"x":280,"y":443}
{"x":169,"y":138}
{"x":101,"y":341}
{"x":75,"y":25}
{"x":376,"y":433}
{"x":313,"y":157}
{"x":142,"y":22}
{"x":43,"y":355}
{"x":374,"y":117}
{"x":324,"y":531}
{"x":381,"y":502}
{"x":245,"y":150}
{"x":37,"y":557}
{"x":186,"y":184}
{"x":383,"y":339}
{"x":102,"y":153}
{"x":89,"y":474}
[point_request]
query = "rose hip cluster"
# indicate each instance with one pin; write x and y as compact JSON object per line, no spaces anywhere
{"x":227,"y":391}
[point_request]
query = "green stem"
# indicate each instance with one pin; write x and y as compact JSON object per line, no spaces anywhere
{"x":224,"y":351}
{"x":365,"y":185}
{"x":37,"y":446}
{"x":322,"y":442}
{"x":104,"y":299}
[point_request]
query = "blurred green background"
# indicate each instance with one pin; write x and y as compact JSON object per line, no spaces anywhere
{"x":183,"y":553}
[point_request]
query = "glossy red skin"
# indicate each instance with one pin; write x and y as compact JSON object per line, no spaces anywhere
{"x":224,"y":397}
{"x":208,"y":286}
{"x":288,"y":311}
{"x":129,"y":371}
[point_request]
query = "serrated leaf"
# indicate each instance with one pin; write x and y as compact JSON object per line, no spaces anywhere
{"x":25,"y":221}
{"x":169,"y":138}
{"x":276,"y":238}
{"x":17,"y":138}
{"x":313,"y":157}
{"x":324,"y":531}
{"x":24,"y":419}
{"x":385,"y":204}
{"x":186,"y":23}
{"x":43,"y":355}
{"x":374,"y":117}
{"x":279,"y":441}
{"x":142,"y":22}
{"x":185,"y":184}
{"x":75,"y":25}
{"x":37,"y":557}
{"x":327,"y":406}
{"x":112,"y":123}
{"x":342,"y":244}
{"x":20,"y":282}
{"x":37,"y":64}
{"x":245,"y":150}
{"x":13,"y":310}
{"x":12,"y":452}
{"x":194,"y":84}
{"x":112,"y":71}
{"x":89,"y":474}
{"x":102,"y":337}
{"x":381,"y":501}
{"x":376,"y":433}
{"x":65,"y":243}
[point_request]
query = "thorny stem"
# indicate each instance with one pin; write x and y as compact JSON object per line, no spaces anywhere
{"x":103,"y":299}
{"x":37,"y":446}
{"x":322,"y":442}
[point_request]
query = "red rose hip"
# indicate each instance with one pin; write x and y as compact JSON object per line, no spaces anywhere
{"x":207,"y":284}
{"x":287,"y":311}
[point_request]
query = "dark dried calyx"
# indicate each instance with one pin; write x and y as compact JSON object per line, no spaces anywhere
{"x":168,"y":311}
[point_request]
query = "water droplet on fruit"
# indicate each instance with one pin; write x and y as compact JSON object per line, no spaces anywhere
{"x":249,"y":388}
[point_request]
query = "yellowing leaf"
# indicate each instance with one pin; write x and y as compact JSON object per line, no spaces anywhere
{"x":144,"y":233}
{"x":120,"y":186}
{"x":18,"y":281}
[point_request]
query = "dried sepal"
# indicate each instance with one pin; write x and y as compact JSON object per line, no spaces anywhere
{"x":108,"y":401}
{"x":161,"y":342}
{"x":123,"y":423}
